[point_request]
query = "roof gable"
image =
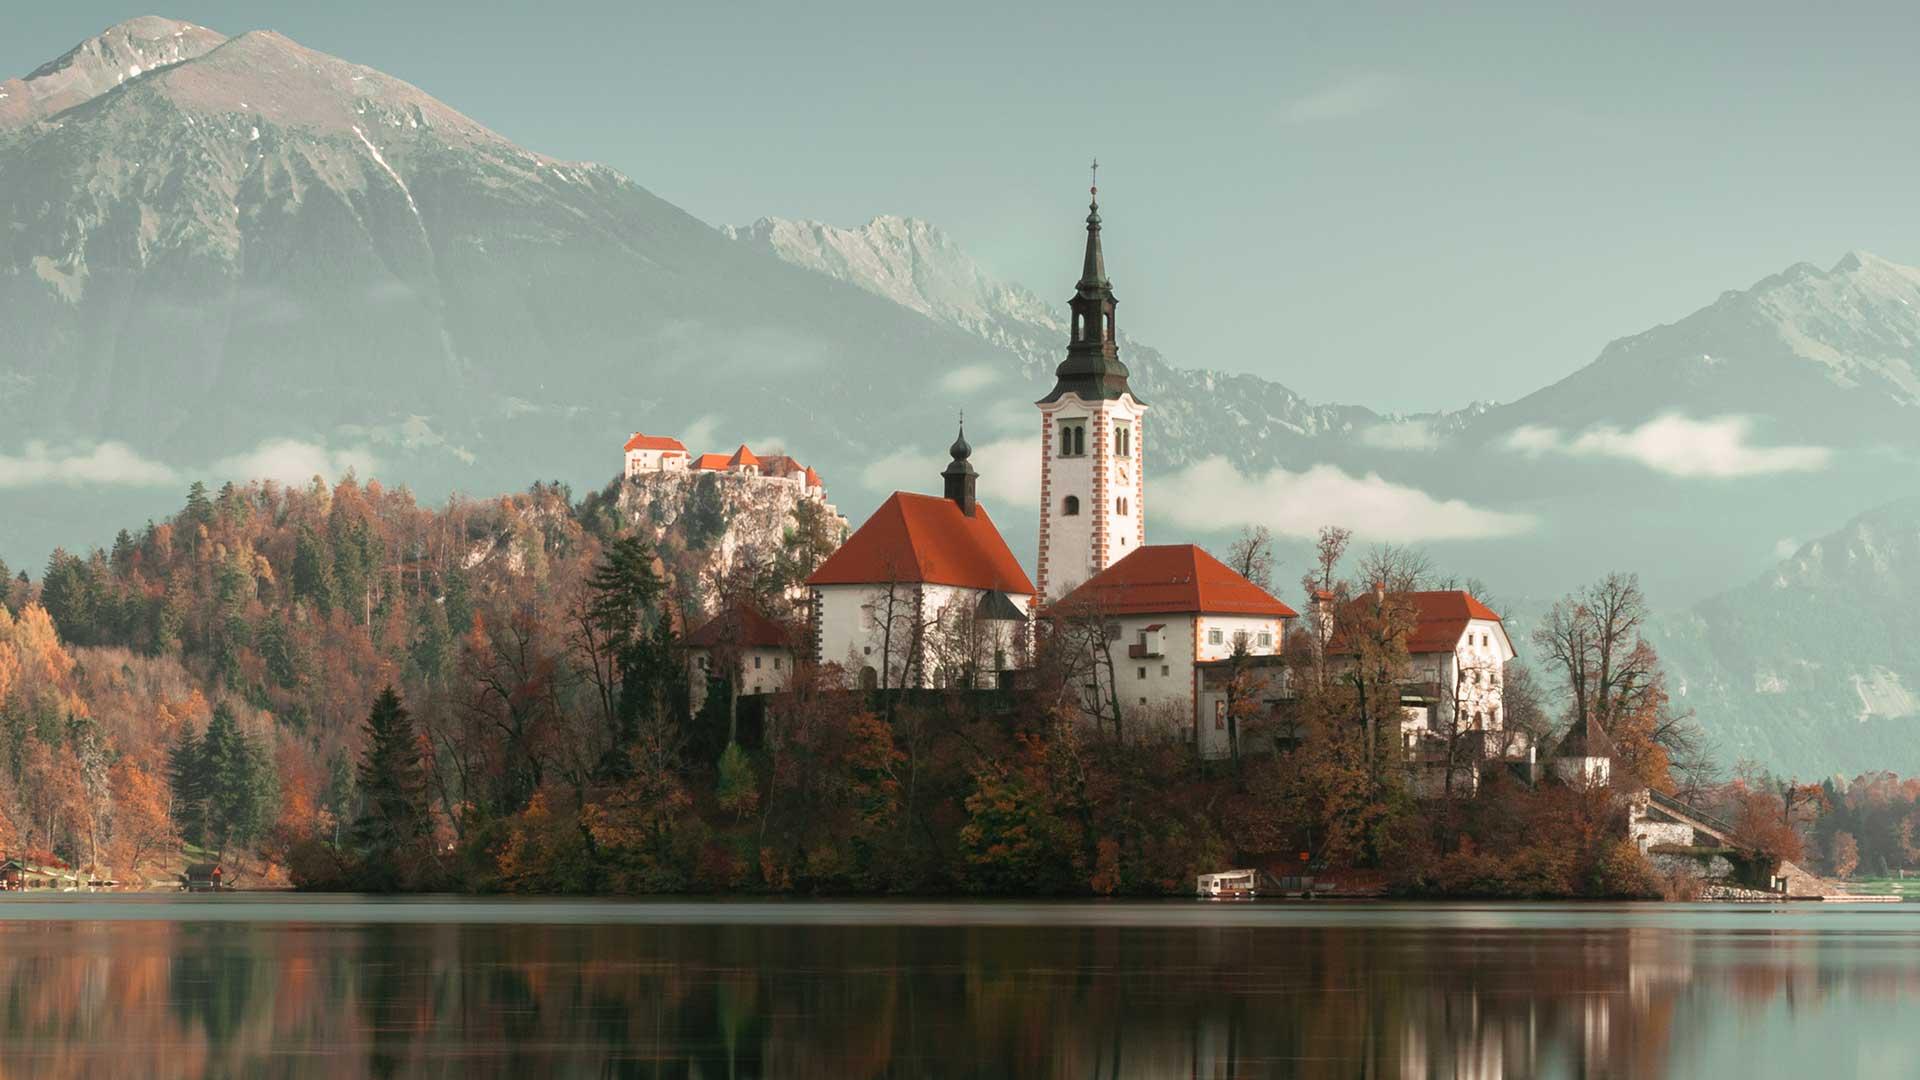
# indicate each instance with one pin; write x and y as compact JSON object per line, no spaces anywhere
{"x":654,"y":442}
{"x":1441,"y":618}
{"x":925,"y":539}
{"x":741,"y":626}
{"x":1173,"y":579}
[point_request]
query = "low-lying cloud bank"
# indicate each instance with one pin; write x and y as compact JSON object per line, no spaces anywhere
{"x":108,"y":464}
{"x":1678,"y":446}
{"x":115,"y":464}
{"x":1214,"y":496}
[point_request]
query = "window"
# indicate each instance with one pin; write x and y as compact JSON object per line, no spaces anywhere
{"x":1266,"y":639}
{"x":1070,"y":507}
{"x":1122,"y":440}
{"x":1216,"y":637}
{"x":776,"y":663}
{"x":703,"y":663}
{"x":1073,"y":438}
{"x":1166,"y":669}
{"x":1143,"y":673}
{"x":1220,"y":715}
{"x":1120,"y":506}
{"x":756,"y":663}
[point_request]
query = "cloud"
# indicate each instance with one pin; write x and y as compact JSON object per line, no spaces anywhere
{"x":1678,"y":446}
{"x":1009,"y":472}
{"x":291,"y":461}
{"x":113,"y":464}
{"x":970,"y":378}
{"x":698,"y":436}
{"x":1352,"y":95}
{"x":1214,"y":496}
{"x":1414,"y":435}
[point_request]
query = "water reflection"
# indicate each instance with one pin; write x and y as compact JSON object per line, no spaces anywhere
{"x":1414,"y":993}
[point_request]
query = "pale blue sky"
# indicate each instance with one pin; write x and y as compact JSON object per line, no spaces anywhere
{"x":1400,"y":210}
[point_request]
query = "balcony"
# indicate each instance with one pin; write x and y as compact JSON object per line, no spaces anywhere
{"x":1141,"y":651}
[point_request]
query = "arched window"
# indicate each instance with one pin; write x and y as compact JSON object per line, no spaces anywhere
{"x":1079,"y":327}
{"x":1079,"y":441}
{"x":1071,"y":506}
{"x":1120,"y":506}
{"x":869,"y":678}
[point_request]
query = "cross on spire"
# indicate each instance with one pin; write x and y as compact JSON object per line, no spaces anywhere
{"x":1094,"y":190}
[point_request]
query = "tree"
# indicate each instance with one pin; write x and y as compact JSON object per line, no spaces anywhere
{"x":1843,"y":854}
{"x":394,"y":830}
{"x":313,"y":570}
{"x":237,"y":779}
{"x":186,"y":772}
{"x":141,"y":825}
{"x":1251,"y":556}
{"x":739,"y":789}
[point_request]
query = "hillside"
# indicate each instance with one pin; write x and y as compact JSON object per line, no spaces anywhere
{"x":1814,"y":667}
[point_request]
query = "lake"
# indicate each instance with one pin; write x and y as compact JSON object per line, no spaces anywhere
{"x":284,"y":985}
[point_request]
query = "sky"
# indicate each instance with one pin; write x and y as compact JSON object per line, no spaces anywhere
{"x":1406,"y":210}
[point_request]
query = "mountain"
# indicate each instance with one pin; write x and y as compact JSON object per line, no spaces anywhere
{"x":99,"y":64}
{"x":1814,"y":667}
{"x":1831,"y":356}
{"x":1251,"y":421}
{"x":256,"y":248}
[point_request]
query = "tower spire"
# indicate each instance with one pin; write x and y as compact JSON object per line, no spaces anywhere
{"x":1092,"y":368}
{"x":1094,"y":273}
{"x":959,"y":477}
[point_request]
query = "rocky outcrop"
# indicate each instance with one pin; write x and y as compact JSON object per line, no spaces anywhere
{"x":704,"y":522}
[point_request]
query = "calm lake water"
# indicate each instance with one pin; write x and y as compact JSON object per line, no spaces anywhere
{"x":302,"y":986}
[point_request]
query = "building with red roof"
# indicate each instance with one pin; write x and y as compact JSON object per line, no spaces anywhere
{"x":755,"y":653}
{"x":925,"y":592}
{"x":1457,"y":650}
{"x":653,"y":453}
{"x":1164,"y":612}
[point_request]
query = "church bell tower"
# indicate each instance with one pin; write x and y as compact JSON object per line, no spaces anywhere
{"x":1091,"y":482}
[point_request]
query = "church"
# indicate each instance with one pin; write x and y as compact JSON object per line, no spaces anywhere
{"x":927,"y":593}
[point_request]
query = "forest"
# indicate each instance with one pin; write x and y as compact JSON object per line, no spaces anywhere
{"x":334,"y":687}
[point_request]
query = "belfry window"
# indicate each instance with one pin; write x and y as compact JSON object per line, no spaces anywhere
{"x":1122,"y":440}
{"x":1073,"y":438}
{"x":1071,"y":507}
{"x":1120,"y":506}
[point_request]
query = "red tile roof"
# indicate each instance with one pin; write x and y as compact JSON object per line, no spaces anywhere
{"x":1440,"y":618}
{"x":813,"y":478}
{"x":741,"y":626}
{"x":744,"y":456}
{"x":654,"y":442}
{"x":1173,"y":579}
{"x":710,"y":461}
{"x":925,"y":538}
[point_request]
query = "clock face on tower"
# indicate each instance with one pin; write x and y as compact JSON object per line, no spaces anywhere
{"x":1125,"y":474}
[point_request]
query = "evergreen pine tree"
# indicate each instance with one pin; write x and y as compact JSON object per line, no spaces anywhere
{"x":189,"y":786}
{"x":199,"y":509}
{"x":393,"y":830}
{"x":313,"y":571}
{"x":237,"y":779}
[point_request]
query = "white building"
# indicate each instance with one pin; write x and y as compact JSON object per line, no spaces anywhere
{"x":924,"y":593}
{"x":654,"y":453}
{"x":1457,"y":651}
{"x":1092,"y":482}
{"x":754,"y":653}
{"x":1160,"y":613}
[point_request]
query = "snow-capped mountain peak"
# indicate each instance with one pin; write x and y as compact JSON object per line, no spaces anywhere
{"x":99,"y":64}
